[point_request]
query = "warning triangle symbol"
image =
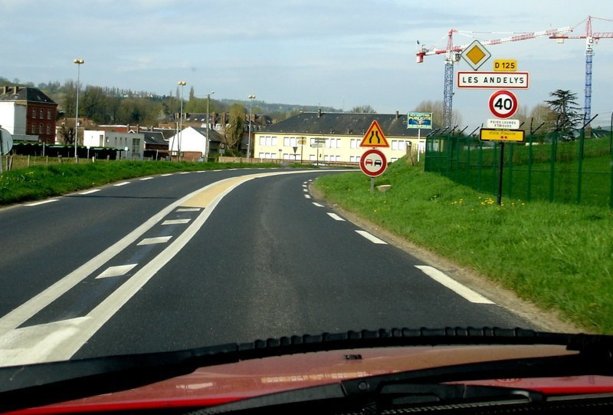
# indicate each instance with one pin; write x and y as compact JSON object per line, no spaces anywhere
{"x":374,"y":136}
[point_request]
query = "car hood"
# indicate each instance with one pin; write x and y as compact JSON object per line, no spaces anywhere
{"x":240,"y":380}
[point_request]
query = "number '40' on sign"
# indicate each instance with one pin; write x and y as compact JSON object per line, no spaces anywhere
{"x":503,"y":104}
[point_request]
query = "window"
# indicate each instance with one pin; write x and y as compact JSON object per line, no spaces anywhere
{"x":136,"y":145}
{"x":42,"y":114}
{"x":354,"y":143}
{"x":34,"y":113}
{"x":48,"y":114}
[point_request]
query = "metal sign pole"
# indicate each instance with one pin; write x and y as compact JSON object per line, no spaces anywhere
{"x":499,"y":197}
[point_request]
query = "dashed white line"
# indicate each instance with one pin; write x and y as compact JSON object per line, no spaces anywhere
{"x":318,"y":204}
{"x":89,"y":192}
{"x":336,"y":217}
{"x":371,"y":238}
{"x":307,"y":196}
{"x":142,"y":179}
{"x":41,"y":203}
{"x":153,"y":241}
{"x":185,"y":172}
{"x":116,"y":271}
{"x":121,"y":184}
{"x":453,"y":285}
{"x":175,"y":221}
{"x":167,"y":174}
{"x":305,"y":190}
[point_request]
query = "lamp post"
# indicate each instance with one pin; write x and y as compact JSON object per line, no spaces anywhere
{"x":251,"y":98}
{"x":181,"y":84}
{"x":78,"y":62}
{"x":208,"y":122}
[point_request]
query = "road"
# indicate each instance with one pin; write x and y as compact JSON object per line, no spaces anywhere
{"x":186,"y":260}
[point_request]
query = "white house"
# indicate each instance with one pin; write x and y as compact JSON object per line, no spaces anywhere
{"x":131,"y":145}
{"x":191,"y":143}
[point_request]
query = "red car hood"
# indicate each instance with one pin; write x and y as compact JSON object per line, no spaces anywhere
{"x":229,"y":382}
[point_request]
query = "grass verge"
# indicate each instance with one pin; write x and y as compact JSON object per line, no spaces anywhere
{"x":554,"y":255}
{"x":39,"y":182}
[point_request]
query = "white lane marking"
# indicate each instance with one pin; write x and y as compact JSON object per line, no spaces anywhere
{"x":61,"y":340}
{"x":44,"y":202}
{"x":189,"y":209}
{"x":167,"y":174}
{"x":89,"y":192}
{"x":116,"y":271}
{"x":145,"y":178}
{"x":336,"y":217}
{"x":185,"y":172}
{"x":36,"y":343}
{"x":371,"y":238}
{"x":121,"y":184}
{"x":318,"y":204}
{"x":307,"y":196}
{"x":453,"y":285}
{"x":154,"y":241}
{"x":305,"y":190}
{"x":176,"y":221}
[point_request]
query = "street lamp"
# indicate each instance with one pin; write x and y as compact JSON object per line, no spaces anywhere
{"x":208,"y":122}
{"x":251,"y":98}
{"x":181,"y":84}
{"x":78,"y":62}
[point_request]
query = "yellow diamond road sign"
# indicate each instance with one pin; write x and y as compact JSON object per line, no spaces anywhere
{"x":476,"y":55}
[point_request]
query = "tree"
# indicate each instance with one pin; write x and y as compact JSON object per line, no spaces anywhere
{"x":566,"y":111}
{"x":235,"y":128}
{"x":363,"y":109}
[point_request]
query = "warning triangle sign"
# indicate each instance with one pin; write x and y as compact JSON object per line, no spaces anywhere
{"x":374,"y":137}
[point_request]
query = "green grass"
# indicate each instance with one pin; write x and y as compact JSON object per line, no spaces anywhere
{"x":39,"y":182}
{"x":557,"y":256}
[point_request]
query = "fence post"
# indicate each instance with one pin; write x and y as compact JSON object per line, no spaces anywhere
{"x":580,"y":163}
{"x":530,"y":161}
{"x":552,"y":162}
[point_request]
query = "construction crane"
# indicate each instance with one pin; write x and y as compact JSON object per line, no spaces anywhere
{"x":453,"y":53}
{"x":590,"y":38}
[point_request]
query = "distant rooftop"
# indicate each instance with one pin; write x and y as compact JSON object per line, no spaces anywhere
{"x":22,"y":93}
{"x":341,"y":123}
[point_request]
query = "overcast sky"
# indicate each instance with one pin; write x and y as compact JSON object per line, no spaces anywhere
{"x":338,"y":53}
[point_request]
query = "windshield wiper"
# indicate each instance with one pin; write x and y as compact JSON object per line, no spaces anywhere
{"x":40,"y":384}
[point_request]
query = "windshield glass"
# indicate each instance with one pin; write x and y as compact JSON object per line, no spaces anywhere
{"x":181,"y":174}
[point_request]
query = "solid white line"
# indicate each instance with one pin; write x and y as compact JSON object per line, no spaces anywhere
{"x":116,"y":271}
{"x":318,"y":204}
{"x":89,"y":192}
{"x":189,"y":209}
{"x":44,"y":202}
{"x":336,"y":217}
{"x":371,"y":238}
{"x":121,"y":184}
{"x":176,"y":221}
{"x":153,"y":241}
{"x":145,"y":178}
{"x":453,"y":285}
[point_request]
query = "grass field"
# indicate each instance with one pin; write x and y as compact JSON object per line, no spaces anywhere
{"x":556,"y":255}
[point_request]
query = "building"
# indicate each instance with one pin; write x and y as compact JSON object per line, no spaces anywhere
{"x":28,"y":114}
{"x":192,"y":143}
{"x":130,"y":145}
{"x":334,"y":137}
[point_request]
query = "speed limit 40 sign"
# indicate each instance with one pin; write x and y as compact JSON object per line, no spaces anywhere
{"x":503,"y":104}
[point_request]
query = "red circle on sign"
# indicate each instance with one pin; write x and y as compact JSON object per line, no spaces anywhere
{"x":373,"y":162}
{"x":503,"y":104}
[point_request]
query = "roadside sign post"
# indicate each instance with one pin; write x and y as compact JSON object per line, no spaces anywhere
{"x":373,"y":162}
{"x":501,"y":136}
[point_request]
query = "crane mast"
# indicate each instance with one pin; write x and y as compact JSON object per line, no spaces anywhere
{"x":590,"y":38}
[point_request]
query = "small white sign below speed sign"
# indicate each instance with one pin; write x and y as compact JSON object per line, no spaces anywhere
{"x":503,"y":104}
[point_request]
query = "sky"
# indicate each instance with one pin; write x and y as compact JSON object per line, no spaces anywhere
{"x":332,"y":53}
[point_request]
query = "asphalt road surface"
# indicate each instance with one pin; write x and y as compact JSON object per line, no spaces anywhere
{"x":187,"y":260}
